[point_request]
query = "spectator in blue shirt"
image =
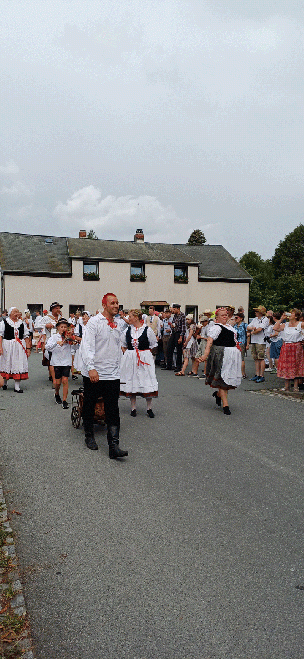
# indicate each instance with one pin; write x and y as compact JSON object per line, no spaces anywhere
{"x":241,"y":328}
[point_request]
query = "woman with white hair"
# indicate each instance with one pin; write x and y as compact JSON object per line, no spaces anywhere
{"x":14,"y":349}
{"x":190,"y":344}
{"x":30,"y":325}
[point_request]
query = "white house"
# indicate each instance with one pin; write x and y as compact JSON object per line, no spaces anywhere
{"x":37,"y":270}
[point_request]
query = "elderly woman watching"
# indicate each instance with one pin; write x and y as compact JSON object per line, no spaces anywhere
{"x":190,"y":344}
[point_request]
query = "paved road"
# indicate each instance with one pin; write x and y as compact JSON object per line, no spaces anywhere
{"x":190,"y":549}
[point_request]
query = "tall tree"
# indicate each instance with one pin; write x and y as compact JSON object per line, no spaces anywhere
{"x":289,"y":255}
{"x":197,"y":238}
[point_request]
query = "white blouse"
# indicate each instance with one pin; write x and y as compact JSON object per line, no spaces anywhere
{"x":292,"y":334}
{"x":216,"y":329}
{"x":136,"y":332}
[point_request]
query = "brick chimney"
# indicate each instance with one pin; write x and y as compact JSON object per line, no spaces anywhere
{"x":139,"y":236}
{"x":82,"y":233}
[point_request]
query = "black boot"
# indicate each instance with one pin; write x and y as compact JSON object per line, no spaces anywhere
{"x":218,"y":399}
{"x":90,"y":441}
{"x":113,"y":441}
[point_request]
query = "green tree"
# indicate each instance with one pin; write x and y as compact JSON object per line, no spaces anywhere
{"x":288,"y":257}
{"x":262,"y":288}
{"x":288,"y":268}
{"x":197,"y":238}
{"x":92,"y":235}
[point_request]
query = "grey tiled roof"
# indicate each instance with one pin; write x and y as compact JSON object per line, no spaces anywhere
{"x":52,"y":255}
{"x":123,"y":250}
{"x":25,"y":253}
{"x":215,"y":262}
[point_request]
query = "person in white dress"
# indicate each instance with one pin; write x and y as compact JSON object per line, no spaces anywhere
{"x":223,"y":358}
{"x":137,"y":371}
{"x":14,"y":349}
{"x":80,"y":331}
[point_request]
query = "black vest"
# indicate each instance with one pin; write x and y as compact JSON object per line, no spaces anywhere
{"x":225,"y":339}
{"x":143,"y":342}
{"x":9,"y":332}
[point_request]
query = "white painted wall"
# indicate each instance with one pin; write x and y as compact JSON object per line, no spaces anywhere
{"x":115,"y":277}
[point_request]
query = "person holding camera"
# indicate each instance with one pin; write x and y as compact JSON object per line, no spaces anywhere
{"x":291,"y":360}
{"x":256,"y":332}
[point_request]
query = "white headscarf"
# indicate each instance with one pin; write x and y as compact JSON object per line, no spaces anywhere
{"x":11,"y":309}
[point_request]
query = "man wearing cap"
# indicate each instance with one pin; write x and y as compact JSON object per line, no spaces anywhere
{"x":258,"y":344}
{"x":177,"y":338}
{"x":48,"y":324}
{"x":101,"y":355}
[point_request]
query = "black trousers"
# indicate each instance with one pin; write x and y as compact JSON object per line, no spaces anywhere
{"x":109,"y":390}
{"x":173,"y":343}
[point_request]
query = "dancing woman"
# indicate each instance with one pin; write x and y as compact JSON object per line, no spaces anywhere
{"x":223,"y":358}
{"x":137,"y":372}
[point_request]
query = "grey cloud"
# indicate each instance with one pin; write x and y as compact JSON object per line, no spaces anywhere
{"x":197,"y":105}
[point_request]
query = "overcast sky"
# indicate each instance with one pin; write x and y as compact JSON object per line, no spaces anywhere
{"x":166,"y":115}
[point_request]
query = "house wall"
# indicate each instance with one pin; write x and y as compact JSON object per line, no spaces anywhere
{"x":115,"y":277}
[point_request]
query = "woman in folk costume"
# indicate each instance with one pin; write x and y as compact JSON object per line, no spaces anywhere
{"x":137,"y":372}
{"x":80,"y":331}
{"x":14,"y":349}
{"x":223,"y":358}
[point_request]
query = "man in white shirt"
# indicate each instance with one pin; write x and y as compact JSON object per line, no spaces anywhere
{"x":256,"y":331}
{"x":101,"y":354}
{"x":38,"y":322}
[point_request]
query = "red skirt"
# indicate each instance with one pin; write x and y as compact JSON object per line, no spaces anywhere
{"x":291,"y":361}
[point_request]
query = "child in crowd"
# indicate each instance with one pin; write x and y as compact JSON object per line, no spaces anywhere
{"x":60,"y":345}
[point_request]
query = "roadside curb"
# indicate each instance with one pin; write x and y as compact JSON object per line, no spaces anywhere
{"x":294,"y":396}
{"x":15,"y":636}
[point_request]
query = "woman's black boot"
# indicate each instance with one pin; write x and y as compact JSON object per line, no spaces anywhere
{"x":226,"y":410}
{"x":218,"y":399}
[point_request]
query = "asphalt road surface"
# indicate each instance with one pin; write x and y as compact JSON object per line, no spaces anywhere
{"x":191,"y":548}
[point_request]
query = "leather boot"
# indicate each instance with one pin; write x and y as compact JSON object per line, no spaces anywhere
{"x":113,"y":441}
{"x":90,"y":441}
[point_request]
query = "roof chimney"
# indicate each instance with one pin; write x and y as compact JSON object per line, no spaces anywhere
{"x":139,"y":236}
{"x":82,"y":233}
